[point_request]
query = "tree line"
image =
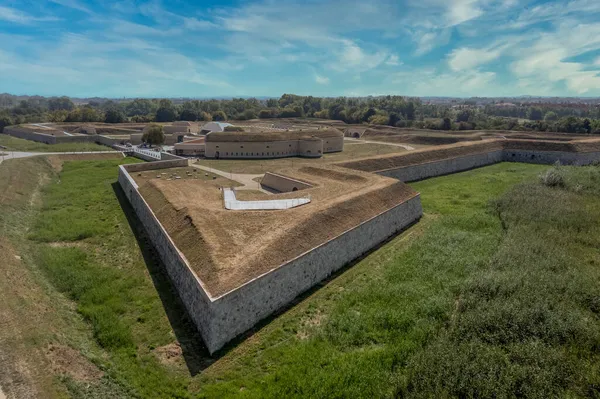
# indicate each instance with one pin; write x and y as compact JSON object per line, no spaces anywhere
{"x":396,"y":111}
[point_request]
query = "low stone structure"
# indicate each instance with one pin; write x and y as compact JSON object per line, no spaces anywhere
{"x":282,"y":184}
{"x":310,"y":144}
{"x":194,"y":147}
{"x":28,"y":134}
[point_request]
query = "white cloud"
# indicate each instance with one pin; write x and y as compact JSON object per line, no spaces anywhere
{"x":393,"y":60}
{"x":460,"y":11}
{"x":119,"y":67}
{"x":351,"y":57}
{"x":198,"y":24}
{"x":429,"y":82}
{"x":322,"y":80}
{"x":19,"y":17}
{"x":547,"y":60}
{"x":427,"y":41}
{"x":468,"y":58}
{"x":74,"y":4}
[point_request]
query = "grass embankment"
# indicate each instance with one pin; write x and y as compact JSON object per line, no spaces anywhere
{"x":494,"y":293}
{"x":87,"y":250}
{"x":16,"y":144}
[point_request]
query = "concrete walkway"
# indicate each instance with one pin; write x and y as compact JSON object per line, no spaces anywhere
{"x":232,"y":203}
{"x":247,"y":180}
{"x":360,"y":141}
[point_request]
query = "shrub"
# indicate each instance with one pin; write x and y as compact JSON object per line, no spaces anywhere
{"x":233,"y":129}
{"x":553,"y":177}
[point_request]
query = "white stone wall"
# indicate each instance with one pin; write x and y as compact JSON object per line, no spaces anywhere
{"x":550,"y":157}
{"x":188,"y":285}
{"x":283,"y":184}
{"x":443,"y":167}
{"x":239,"y":310}
{"x":448,"y":166}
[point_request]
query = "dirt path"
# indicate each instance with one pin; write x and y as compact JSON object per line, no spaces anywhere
{"x":247,"y":180}
{"x":360,"y":141}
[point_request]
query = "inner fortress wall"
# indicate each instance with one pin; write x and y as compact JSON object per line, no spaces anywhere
{"x":510,"y":153}
{"x":443,"y":167}
{"x":39,"y":137}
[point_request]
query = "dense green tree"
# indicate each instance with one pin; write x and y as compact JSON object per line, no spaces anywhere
{"x":141,"y":106}
{"x":551,"y":116}
{"x":535,"y":114}
{"x":60,"y":104}
{"x":154,"y":135}
{"x":446,"y":124}
{"x":587,"y":126}
{"x":188,"y":115}
{"x":379,"y":119}
{"x":5,"y":121}
{"x":114,"y":116}
{"x":248,"y":114}
{"x":166,"y":114}
{"x":205,"y":116}
{"x":463,"y":115}
{"x":58,"y":116}
{"x":219,"y":116}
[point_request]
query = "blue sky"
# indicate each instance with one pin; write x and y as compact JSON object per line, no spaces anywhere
{"x":324,"y":48}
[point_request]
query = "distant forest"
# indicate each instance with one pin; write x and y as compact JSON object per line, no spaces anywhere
{"x":552,"y":116}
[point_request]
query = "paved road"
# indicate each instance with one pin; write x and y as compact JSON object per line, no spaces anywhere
{"x":242,"y":178}
{"x":20,"y":154}
{"x":359,"y":141}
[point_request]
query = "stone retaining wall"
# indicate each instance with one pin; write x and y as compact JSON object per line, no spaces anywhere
{"x":283,"y":184}
{"x":442,"y":167}
{"x":221,"y":319}
{"x":447,"y":166}
{"x":240,"y":309}
{"x":189,"y":286}
{"x":29,"y":135}
{"x":550,"y":157}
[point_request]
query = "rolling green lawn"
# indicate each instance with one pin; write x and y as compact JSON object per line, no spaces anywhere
{"x":17,"y":144}
{"x":494,"y":293}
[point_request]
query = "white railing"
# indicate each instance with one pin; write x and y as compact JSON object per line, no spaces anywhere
{"x":150,"y":153}
{"x":234,"y":204}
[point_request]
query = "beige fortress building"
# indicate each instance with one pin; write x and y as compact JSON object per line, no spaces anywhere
{"x":310,"y":144}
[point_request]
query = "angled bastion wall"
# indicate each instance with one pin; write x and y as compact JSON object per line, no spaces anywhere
{"x":221,"y":319}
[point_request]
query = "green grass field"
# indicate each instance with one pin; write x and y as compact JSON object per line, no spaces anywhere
{"x":495,"y":293}
{"x":16,"y":144}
